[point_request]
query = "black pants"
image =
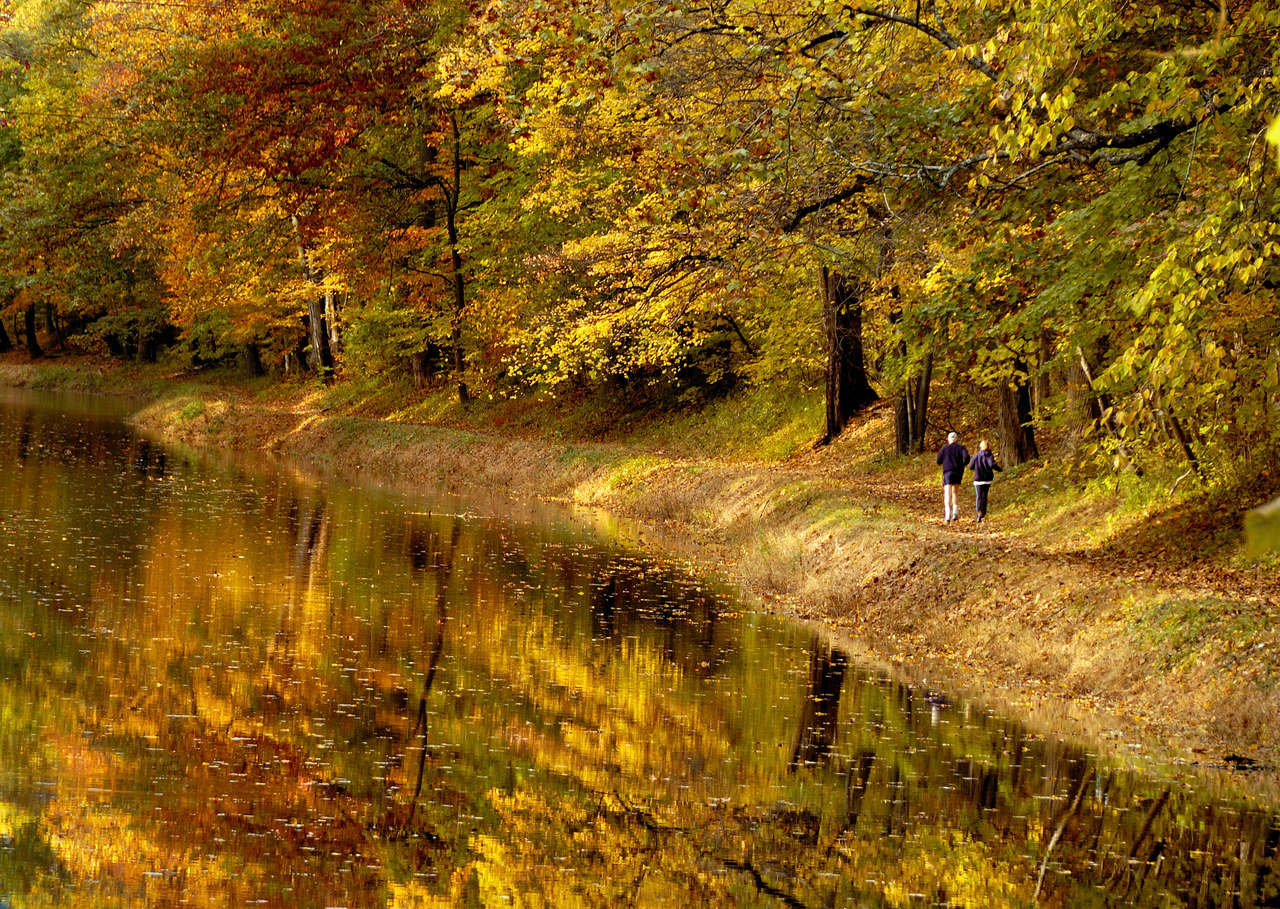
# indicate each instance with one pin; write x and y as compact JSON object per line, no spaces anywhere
{"x":980,"y":490}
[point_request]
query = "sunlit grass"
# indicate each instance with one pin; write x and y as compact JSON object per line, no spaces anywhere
{"x":769,"y":424}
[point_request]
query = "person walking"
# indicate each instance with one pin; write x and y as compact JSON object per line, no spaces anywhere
{"x":953,"y":457}
{"x":983,"y":466}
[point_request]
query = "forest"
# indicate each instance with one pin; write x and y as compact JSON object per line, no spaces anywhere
{"x":1068,"y":211}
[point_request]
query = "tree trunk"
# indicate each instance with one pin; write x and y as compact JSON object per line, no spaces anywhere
{"x":424,"y":364}
{"x":6,"y":344}
{"x":331,"y":318}
{"x":912,"y":410}
{"x":1083,"y":410}
{"x":300,"y":347}
{"x":33,"y":346}
{"x":1098,"y":405}
{"x":148,"y":344}
{"x":55,"y":329}
{"x":1017,"y":440}
{"x":252,"y":360}
{"x":321,"y":353}
{"x":1181,"y":437}
{"x":848,"y":390}
{"x":1042,"y":390}
{"x":51,"y":326}
{"x":456,"y":277}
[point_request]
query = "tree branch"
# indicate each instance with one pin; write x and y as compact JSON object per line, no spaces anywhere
{"x":843,"y":195}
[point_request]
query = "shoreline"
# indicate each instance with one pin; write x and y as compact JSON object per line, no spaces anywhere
{"x":986,"y":611}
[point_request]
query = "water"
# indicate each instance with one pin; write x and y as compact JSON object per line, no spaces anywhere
{"x":232,"y":685}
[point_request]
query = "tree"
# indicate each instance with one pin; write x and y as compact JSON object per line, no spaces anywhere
{"x":847,"y":387}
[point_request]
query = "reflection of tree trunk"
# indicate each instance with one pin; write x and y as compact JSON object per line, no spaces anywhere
{"x":895,"y":822}
{"x":988,"y":789}
{"x":847,"y":387}
{"x":310,"y":538}
{"x":1061,"y":826}
{"x":443,"y":567}
{"x":763,"y":885}
{"x":1126,"y":867}
{"x":442,"y":615}
{"x":604,"y":604}
{"x":821,"y":710}
{"x":856,"y":788}
{"x":24,"y":437}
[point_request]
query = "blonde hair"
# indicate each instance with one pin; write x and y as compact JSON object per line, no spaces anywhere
{"x":983,"y":445}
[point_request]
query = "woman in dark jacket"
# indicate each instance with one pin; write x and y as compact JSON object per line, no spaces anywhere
{"x":983,"y":466}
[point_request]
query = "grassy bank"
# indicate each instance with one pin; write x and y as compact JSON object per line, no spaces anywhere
{"x":1103,"y":593}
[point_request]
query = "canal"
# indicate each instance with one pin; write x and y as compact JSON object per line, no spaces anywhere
{"x":231,"y":684}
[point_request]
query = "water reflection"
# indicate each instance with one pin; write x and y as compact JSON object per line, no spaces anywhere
{"x":221,"y":686}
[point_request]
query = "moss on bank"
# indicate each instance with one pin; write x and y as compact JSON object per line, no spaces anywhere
{"x":1086,"y":594}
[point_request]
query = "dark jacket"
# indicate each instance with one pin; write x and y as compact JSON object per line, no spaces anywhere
{"x":982,"y":465}
{"x":953,"y":457}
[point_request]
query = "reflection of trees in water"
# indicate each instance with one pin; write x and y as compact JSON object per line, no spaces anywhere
{"x":32,"y":434}
{"x":149,"y":461}
{"x":308,"y":523}
{"x":820,"y":711}
{"x":441,"y":561}
{"x":630,"y":600}
{"x":24,"y":436}
{"x":857,"y":776}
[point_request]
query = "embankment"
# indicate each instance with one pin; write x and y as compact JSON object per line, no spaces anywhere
{"x":1109,"y":635}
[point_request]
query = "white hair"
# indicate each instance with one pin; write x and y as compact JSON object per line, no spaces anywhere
{"x":951,"y":437}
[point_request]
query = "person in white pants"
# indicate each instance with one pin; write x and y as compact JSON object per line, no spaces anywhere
{"x":954,"y":458}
